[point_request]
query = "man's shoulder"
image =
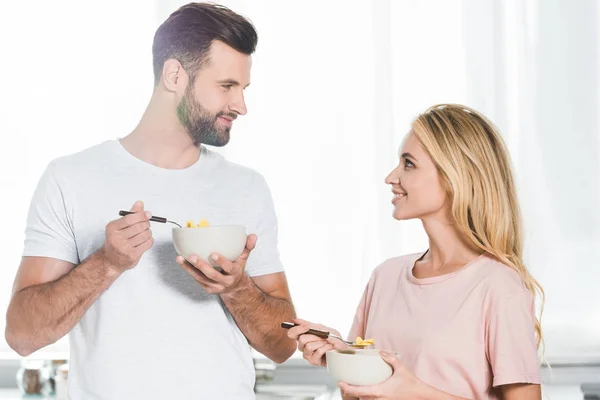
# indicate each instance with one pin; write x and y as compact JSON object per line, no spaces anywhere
{"x":233,"y":171}
{"x":80,"y":159}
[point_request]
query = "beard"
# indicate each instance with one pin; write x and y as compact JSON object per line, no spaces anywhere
{"x":200,"y":124}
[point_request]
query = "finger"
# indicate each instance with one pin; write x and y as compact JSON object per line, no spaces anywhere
{"x":391,"y":359}
{"x":250,"y":244}
{"x":357,"y":391}
{"x":192,"y":270}
{"x":297,"y":331}
{"x":199,"y":276}
{"x":251,"y":241}
{"x":132,"y":219}
{"x":320,"y":353}
{"x":306,"y":325}
{"x":224,"y":263}
{"x":147,"y":245}
{"x":338,"y":344}
{"x":307,"y":355}
{"x":310,"y":350}
{"x":304,"y":340}
{"x":315,"y":345}
{"x":301,"y":322}
{"x":135,"y":229}
{"x":137,"y":206}
{"x":140,"y":238}
{"x":215,"y":283}
{"x":208,"y":270}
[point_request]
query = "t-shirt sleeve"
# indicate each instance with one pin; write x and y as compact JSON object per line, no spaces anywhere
{"x":49,"y":230}
{"x":511,"y":342}
{"x":265,"y":258}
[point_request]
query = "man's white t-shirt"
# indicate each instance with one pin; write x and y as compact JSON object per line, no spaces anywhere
{"x":155,"y":333}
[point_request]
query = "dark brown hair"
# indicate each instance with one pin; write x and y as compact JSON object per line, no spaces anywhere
{"x":187,"y":34}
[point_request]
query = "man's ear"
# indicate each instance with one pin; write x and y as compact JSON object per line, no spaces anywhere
{"x":174,"y":77}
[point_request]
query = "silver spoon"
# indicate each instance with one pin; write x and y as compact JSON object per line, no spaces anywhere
{"x":322,"y":334}
{"x":153,"y":218}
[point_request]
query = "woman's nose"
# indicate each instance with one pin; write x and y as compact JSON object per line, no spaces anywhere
{"x":392,"y":177}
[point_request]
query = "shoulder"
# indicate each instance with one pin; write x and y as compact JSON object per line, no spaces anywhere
{"x":243,"y":177}
{"x":499,"y":279}
{"x":502,"y":288}
{"x":75,"y":162}
{"x":63,"y":168}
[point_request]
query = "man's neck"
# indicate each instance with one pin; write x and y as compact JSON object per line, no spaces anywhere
{"x":159,"y":139}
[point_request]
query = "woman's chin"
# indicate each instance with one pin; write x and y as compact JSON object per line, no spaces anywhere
{"x":404,"y":215}
{"x":400,"y":216}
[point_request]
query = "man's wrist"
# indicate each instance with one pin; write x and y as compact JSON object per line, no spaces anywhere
{"x":244,"y":285}
{"x":99,"y":258}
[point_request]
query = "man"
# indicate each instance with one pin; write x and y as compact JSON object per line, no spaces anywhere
{"x":141,"y":326}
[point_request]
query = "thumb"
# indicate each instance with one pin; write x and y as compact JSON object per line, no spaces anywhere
{"x":251,"y":241}
{"x":250,"y":244}
{"x":391,"y":359}
{"x":137,"y":206}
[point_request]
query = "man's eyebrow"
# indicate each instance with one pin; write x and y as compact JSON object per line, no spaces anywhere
{"x":231,"y":82}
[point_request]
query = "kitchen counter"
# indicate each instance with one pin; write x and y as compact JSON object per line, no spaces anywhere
{"x":274,"y":392}
{"x":317,"y":392}
{"x":296,"y":380}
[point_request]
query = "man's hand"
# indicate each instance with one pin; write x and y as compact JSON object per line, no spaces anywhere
{"x":212,"y":280}
{"x":127,"y":239}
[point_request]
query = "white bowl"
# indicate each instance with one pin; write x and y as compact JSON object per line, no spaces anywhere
{"x":357,"y":367}
{"x":229,"y":241}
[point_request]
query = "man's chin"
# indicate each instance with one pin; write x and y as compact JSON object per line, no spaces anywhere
{"x":216,"y":142}
{"x":215,"y":139}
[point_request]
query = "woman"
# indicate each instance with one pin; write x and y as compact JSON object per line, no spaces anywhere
{"x":462,"y":313}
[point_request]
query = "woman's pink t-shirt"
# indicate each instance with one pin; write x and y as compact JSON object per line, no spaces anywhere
{"x":464,"y":333}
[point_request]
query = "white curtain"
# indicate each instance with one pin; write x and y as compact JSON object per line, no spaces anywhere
{"x":335,"y":85}
{"x":533,"y":68}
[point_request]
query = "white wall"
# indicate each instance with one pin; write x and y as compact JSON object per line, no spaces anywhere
{"x":335,"y":85}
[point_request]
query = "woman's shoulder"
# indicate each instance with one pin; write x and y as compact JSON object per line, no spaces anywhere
{"x":500,"y":278}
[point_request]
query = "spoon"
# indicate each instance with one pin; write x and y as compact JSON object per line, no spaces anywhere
{"x":322,"y":334}
{"x":154,"y":218}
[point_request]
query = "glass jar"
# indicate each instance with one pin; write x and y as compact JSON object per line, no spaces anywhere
{"x":52,"y":368}
{"x":33,"y":378}
{"x":264,"y":370}
{"x":61,"y":378}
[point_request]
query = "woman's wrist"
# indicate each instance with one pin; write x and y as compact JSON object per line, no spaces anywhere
{"x":423,"y":391}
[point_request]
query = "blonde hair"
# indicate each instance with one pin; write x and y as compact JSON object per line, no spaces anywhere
{"x":473,"y":161}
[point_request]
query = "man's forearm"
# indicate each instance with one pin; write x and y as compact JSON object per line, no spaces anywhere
{"x":41,"y":314}
{"x":259,"y":316}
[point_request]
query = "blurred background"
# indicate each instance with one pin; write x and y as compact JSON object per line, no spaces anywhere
{"x":335,"y":85}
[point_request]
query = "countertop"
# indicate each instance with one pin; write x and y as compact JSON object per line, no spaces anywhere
{"x":303,"y":392}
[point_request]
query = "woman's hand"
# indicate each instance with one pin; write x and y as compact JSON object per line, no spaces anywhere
{"x":313,"y":348}
{"x":400,"y":386}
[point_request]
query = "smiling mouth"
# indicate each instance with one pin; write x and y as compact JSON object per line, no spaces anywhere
{"x":398,"y":196}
